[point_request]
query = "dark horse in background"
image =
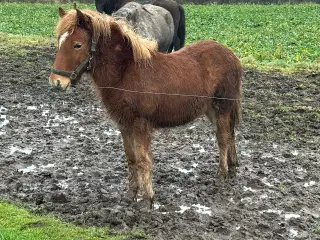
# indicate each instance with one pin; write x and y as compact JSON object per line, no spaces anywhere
{"x":173,"y":6}
{"x":179,"y":21}
{"x":149,"y":21}
{"x":109,"y":6}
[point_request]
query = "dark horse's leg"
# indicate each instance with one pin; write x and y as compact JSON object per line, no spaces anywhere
{"x":137,"y":143}
{"x":176,"y":44}
{"x":170,"y":49}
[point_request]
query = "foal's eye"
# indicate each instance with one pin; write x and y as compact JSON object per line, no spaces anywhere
{"x":77,"y":46}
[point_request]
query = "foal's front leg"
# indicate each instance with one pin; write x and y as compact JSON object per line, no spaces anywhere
{"x":131,"y":160}
{"x":142,"y":141}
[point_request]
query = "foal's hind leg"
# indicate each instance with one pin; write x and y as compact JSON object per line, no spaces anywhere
{"x":223,"y":137}
{"x":222,"y":132}
{"x":232,"y":154}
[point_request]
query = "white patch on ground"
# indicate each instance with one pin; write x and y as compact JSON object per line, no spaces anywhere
{"x":67,"y":139}
{"x":300,"y":169}
{"x":288,"y":216}
{"x":245,"y":154}
{"x":57,"y":118}
{"x":81,"y":129}
{"x":48,"y":130}
{"x":201,"y":150}
{"x":28,"y":169}
{"x":309,"y":184}
{"x":293,"y":233}
{"x":5,"y":122}
{"x":295,"y":153}
{"x":50,"y":165}
{"x":45,"y":113}
{"x":3,"y":109}
{"x":192,"y":127}
{"x":47,"y":124}
{"x":249,"y":189}
{"x":62,"y":39}
{"x":272,"y":211}
{"x":179,"y":190}
{"x":183,"y":209}
{"x":14,"y":149}
{"x":112,"y":132}
{"x":63,"y":184}
{"x":156,"y":206}
{"x":202,"y":209}
{"x":246,"y":199}
{"x":264,"y":196}
{"x":266,"y":155}
{"x":265,"y":182}
{"x":32,"y":108}
{"x":183,"y":170}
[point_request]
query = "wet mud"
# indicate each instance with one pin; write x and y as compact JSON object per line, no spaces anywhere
{"x":60,"y":154}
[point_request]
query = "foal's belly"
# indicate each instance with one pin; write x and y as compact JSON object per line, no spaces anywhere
{"x":174,"y":111}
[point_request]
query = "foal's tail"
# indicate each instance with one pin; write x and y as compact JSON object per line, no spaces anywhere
{"x":235,"y":115}
{"x":181,"y":33}
{"x":236,"y":109}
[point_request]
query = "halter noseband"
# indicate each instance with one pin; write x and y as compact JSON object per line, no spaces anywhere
{"x":84,"y":66}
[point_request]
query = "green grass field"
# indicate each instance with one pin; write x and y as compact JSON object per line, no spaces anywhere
{"x":269,"y":37}
{"x":18,"y":224}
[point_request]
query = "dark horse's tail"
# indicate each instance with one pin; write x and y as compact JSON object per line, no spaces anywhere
{"x":181,"y":33}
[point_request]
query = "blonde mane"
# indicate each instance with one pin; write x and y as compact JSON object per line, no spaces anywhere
{"x":142,"y":48}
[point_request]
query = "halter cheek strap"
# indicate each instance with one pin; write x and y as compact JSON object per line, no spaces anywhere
{"x":83,"y":66}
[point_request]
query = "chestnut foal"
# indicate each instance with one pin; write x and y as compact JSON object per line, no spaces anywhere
{"x":144,"y":89}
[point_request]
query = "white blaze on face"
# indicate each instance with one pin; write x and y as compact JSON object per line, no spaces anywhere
{"x":63,"y":38}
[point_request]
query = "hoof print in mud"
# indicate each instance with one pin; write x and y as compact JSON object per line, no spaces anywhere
{"x":57,"y":197}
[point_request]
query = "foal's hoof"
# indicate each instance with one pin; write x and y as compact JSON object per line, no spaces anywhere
{"x":232,"y":172}
{"x":222,"y":174}
{"x":143,"y":205}
{"x":132,"y":195}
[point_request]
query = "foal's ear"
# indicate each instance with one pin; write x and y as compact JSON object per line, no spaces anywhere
{"x":62,"y":12}
{"x":82,"y":20}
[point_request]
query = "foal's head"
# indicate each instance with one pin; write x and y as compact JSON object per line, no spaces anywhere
{"x":74,"y":44}
{"x":86,"y":37}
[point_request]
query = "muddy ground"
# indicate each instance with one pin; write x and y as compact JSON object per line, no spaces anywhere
{"x":60,"y":154}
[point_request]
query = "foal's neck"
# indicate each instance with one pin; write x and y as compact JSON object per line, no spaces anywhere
{"x":108,"y":74}
{"x":110,"y":65}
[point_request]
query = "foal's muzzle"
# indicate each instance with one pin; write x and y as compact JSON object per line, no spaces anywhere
{"x":59,"y":82}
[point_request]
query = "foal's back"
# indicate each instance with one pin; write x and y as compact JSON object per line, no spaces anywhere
{"x":201,"y":69}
